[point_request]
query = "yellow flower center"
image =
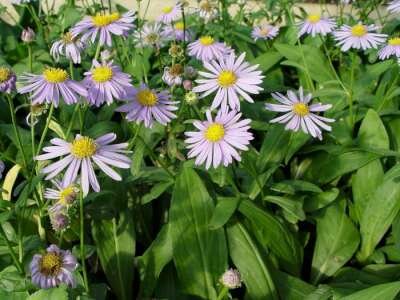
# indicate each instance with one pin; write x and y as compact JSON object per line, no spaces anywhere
{"x":206,"y":40}
{"x":179,"y":26}
{"x":264,"y":31}
{"x":393,"y":42}
{"x":359,"y":30}
{"x":167,"y":9}
{"x":152,"y":38}
{"x":67,"y":38}
{"x":104,"y":20}
{"x":301,"y":109}
{"x":102,"y":74}
{"x":147,"y":98}
{"x":50,"y":264}
{"x":83,"y":147}
{"x":214,"y":132}
{"x":4,"y":74}
{"x":314,"y":18}
{"x":55,"y":75}
{"x":227,"y":79}
{"x":68,"y":195}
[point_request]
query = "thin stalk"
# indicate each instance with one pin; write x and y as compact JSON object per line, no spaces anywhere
{"x":350,"y":96}
{"x":16,"y":130}
{"x":46,"y":128}
{"x":11,"y":251}
{"x":96,"y":56}
{"x":71,"y":122}
{"x":82,"y":242}
{"x":223,"y":293}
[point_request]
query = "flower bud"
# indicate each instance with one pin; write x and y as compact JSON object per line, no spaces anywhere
{"x":190,"y":72}
{"x":28,"y":35}
{"x":191,"y":98}
{"x":231,"y":279}
{"x":58,"y":218}
{"x":187,"y":84}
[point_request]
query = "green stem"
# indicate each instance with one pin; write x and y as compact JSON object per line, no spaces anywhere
{"x":350,"y":96}
{"x":30,"y":57}
{"x":46,"y":128}
{"x":11,"y":251}
{"x":82,"y":241}
{"x":96,"y":56}
{"x":71,"y":122}
{"x":223,"y":293}
{"x":16,"y":130}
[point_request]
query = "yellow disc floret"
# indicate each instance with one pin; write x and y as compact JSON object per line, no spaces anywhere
{"x":102,"y":74}
{"x":206,"y":40}
{"x":68,"y":195}
{"x":146,"y":98}
{"x":83,"y":147}
{"x":301,"y":109}
{"x":4,"y":74}
{"x":359,"y":30}
{"x":50,"y":264}
{"x":179,"y":26}
{"x":100,"y":20}
{"x":227,"y":79}
{"x":313,"y":18}
{"x":215,"y":132}
{"x":167,"y":9}
{"x":67,"y":38}
{"x":55,"y":75}
{"x":392,"y":42}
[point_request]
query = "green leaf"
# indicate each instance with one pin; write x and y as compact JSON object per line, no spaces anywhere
{"x":267,"y":60}
{"x":11,"y":279}
{"x":291,"y":206}
{"x":156,"y":191}
{"x":200,"y":254}
{"x":59,"y":293}
{"x":379,"y":212}
{"x":275,"y":235}
{"x":225,"y":208}
{"x":115,"y":242}
{"x":372,"y":132}
{"x":290,"y":287}
{"x":326,"y":167}
{"x":293,"y":186}
{"x":337,"y":241}
{"x":248,"y":259}
{"x":386,"y":291}
{"x":152,"y":262}
{"x":318,"y":201}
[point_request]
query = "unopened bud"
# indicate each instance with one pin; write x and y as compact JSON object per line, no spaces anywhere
{"x":190,"y":72}
{"x":191,"y":98}
{"x":28,"y":35}
{"x":231,"y":279}
{"x":187,"y":84}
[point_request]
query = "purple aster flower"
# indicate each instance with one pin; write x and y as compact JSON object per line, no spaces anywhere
{"x":69,"y":47}
{"x":173,"y":75}
{"x":53,"y":268}
{"x":7,"y":80}
{"x":264,"y":32}
{"x":315,"y":24}
{"x":79,"y":156}
{"x":391,"y":49}
{"x":62,"y":195}
{"x":50,"y":86}
{"x":148,"y":105}
{"x":106,"y":82}
{"x":217,"y":140}
{"x":104,"y":25}
{"x":150,"y":35}
{"x":299,"y":114}
{"x":230,"y":77}
{"x":231,"y":279}
{"x":394,"y":6}
{"x":170,"y":13}
{"x":176,"y":32}
{"x":206,"y":49}
{"x":358,"y":37}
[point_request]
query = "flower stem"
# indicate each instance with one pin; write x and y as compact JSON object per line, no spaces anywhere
{"x":11,"y":250}
{"x":96,"y":56}
{"x":46,"y":128}
{"x":82,"y":241}
{"x":30,"y":57}
{"x":16,"y":131}
{"x":223,"y":293}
